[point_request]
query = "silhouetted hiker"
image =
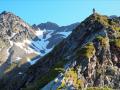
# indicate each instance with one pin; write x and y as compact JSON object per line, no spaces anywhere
{"x":93,"y":11}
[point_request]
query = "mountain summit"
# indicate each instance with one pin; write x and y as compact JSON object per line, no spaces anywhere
{"x":48,"y":26}
{"x":87,"y":59}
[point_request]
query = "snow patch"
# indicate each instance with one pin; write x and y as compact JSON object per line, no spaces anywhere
{"x":18,"y":58}
{"x":8,"y":54}
{"x":13,"y":34}
{"x":25,"y":46}
{"x":65,"y":33}
{"x":41,"y":43}
{"x":20,"y":73}
{"x":39,"y":32}
{"x":32,"y":61}
{"x":11,"y":43}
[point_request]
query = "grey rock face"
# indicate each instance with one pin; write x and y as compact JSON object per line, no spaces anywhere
{"x":12,"y":30}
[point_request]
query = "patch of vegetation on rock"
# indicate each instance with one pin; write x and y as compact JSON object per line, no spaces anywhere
{"x":86,"y":51}
{"x":71,"y":76}
{"x":107,"y":22}
{"x":98,"y":88}
{"x":102,"y":19}
{"x":115,"y":42}
{"x":103,"y":40}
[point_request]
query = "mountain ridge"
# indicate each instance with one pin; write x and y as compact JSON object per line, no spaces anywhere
{"x":100,"y":26}
{"x":88,"y":58}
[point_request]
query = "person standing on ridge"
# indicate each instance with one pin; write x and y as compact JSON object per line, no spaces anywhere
{"x":93,"y":11}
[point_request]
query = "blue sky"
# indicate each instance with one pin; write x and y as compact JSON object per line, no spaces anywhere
{"x":62,"y":12}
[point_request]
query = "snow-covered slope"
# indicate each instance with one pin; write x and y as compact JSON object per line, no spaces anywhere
{"x":52,"y":34}
{"x":23,"y":44}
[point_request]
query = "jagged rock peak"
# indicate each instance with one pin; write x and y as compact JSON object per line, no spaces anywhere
{"x":5,"y":12}
{"x":48,"y":26}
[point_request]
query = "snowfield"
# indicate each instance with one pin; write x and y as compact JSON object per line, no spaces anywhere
{"x":38,"y":45}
